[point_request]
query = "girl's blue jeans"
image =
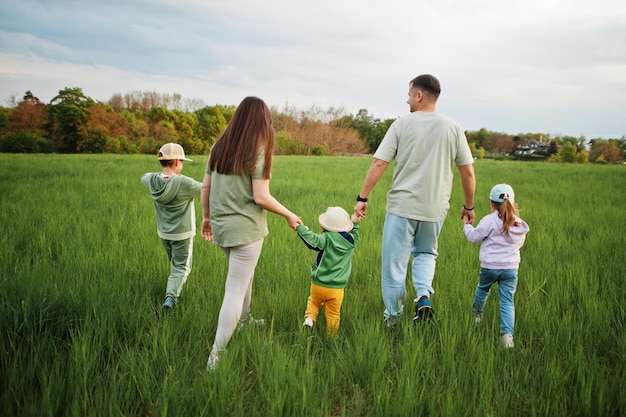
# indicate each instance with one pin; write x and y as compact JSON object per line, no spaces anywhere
{"x":507,"y":284}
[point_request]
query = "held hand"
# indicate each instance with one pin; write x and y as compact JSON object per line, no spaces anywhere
{"x":360,"y":210}
{"x":293,"y":220}
{"x":469,"y":214}
{"x":356,"y":218}
{"x":206,"y":231}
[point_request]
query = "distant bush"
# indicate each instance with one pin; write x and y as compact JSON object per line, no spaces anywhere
{"x":26,"y":142}
{"x":320,"y":150}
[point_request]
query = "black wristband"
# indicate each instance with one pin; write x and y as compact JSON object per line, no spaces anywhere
{"x":468,"y":209}
{"x":361,"y":199}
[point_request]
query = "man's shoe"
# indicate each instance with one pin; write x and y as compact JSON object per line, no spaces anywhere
{"x":423,"y":310}
{"x":389,"y":322}
{"x":507,"y":340}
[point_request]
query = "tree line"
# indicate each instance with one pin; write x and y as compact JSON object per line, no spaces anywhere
{"x":141,"y":122}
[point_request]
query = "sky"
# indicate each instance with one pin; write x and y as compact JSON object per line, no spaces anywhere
{"x":517,"y":66}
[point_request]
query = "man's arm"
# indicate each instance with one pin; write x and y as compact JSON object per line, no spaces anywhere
{"x":375,"y":172}
{"x":468,"y":180}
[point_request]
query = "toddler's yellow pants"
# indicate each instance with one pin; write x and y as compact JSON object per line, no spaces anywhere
{"x":331,"y":299}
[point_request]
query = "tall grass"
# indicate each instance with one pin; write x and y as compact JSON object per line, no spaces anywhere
{"x":82,"y":271}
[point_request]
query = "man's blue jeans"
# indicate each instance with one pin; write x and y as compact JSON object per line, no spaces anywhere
{"x":403,"y":238}
{"x":507,"y":284}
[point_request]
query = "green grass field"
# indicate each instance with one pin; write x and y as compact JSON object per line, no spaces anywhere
{"x":82,"y":270}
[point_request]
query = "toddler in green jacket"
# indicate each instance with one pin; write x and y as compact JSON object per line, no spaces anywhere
{"x":173,"y":196}
{"x":331,"y":270}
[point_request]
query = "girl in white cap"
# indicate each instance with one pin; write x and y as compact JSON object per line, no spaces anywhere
{"x":331,"y":270}
{"x":501,"y":234}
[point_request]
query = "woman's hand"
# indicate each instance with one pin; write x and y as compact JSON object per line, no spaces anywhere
{"x":207,"y":232}
{"x":293,"y":220}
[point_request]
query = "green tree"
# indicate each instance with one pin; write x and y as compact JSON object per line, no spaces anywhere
{"x":185,"y":124}
{"x":480,"y":137}
{"x":473,"y":149}
{"x":5,"y":113}
{"x":211,"y":122}
{"x":610,"y":151}
{"x":25,"y":141}
{"x":370,"y":129}
{"x":67,"y":119}
{"x":570,"y":154}
{"x":567,"y":153}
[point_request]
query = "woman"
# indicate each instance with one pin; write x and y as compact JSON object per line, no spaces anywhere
{"x":235,"y":199}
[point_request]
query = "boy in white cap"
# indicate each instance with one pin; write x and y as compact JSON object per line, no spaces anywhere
{"x":501,"y":234}
{"x":173,"y":196}
{"x":331,"y":270}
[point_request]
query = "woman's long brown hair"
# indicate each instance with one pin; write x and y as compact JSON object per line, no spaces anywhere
{"x":249,"y":131}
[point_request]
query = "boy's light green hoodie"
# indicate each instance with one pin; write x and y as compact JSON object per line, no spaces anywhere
{"x":173,"y":203}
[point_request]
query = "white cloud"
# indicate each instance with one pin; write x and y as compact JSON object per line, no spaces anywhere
{"x":520,"y":66}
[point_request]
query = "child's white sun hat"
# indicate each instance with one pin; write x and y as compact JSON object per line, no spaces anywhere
{"x":336,"y":219}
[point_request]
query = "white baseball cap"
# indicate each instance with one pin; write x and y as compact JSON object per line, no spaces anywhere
{"x":336,"y":219}
{"x":171,"y":152}
{"x":501,"y":192}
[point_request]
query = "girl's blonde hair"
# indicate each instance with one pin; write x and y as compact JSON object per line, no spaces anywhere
{"x":509,"y":214}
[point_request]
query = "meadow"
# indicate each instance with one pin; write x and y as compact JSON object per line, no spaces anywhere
{"x":82,"y":271}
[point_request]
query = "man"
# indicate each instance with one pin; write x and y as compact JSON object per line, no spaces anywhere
{"x":426,"y":146}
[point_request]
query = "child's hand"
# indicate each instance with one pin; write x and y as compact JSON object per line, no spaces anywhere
{"x":466,"y":219}
{"x":356,"y":219}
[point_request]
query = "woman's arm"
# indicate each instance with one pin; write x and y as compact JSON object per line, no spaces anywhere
{"x":263,"y":198}
{"x":205,"y":192}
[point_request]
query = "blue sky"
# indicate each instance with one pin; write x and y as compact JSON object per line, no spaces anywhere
{"x":550,"y":66}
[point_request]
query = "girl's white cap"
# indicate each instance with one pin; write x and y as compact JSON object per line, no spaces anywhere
{"x":501,"y":192}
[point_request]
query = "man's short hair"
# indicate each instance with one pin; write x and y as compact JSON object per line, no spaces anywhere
{"x":427,"y":83}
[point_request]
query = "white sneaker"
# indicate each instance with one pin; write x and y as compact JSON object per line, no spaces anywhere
{"x":211,"y":363}
{"x":308,"y":322}
{"x":507,"y":340}
{"x":478,"y":319}
{"x":250,"y":321}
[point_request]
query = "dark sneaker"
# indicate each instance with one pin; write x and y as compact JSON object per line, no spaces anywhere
{"x":423,"y":310}
{"x":167,"y":306}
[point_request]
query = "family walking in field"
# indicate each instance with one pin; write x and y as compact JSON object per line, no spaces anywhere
{"x":235,"y":196}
